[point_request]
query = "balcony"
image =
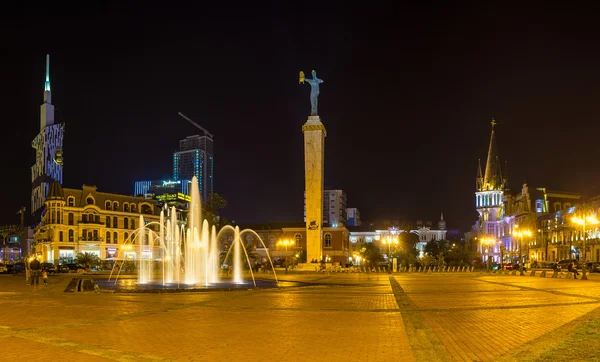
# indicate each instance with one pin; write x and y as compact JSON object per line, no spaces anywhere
{"x":91,"y":239}
{"x":89,"y":221}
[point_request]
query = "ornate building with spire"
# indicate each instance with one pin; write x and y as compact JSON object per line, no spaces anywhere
{"x":502,"y":213}
{"x":48,"y":144}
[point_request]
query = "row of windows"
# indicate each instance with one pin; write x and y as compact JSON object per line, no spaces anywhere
{"x":114,"y":205}
{"x":95,"y":219}
{"x":92,"y":235}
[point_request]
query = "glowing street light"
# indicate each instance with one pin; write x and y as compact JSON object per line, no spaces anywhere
{"x":520,"y":234}
{"x":488,"y":242}
{"x":389,"y":240}
{"x":589,"y":220}
{"x":285,"y":243}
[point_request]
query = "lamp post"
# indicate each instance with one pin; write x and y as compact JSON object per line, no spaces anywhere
{"x":488,"y":242}
{"x":285,"y":243}
{"x":589,"y":220}
{"x":520,"y":234}
{"x":389,"y":241}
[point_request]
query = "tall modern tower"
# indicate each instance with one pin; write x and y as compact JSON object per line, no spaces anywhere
{"x":489,"y":193}
{"x":48,"y":144}
{"x":196,"y":158}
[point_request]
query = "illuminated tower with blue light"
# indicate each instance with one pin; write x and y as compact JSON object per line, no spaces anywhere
{"x":489,"y":197}
{"x":196,"y":158}
{"x":48,"y":144}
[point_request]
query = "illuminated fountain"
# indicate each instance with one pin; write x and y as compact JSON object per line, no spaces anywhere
{"x":188,"y":255}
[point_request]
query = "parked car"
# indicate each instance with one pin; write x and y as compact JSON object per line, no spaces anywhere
{"x":16,"y":268}
{"x":564,"y":264}
{"x":50,"y":268}
{"x":74,"y":268}
{"x":593,"y":267}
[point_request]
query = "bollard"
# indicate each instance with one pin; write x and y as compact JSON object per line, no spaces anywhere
{"x":543,"y":274}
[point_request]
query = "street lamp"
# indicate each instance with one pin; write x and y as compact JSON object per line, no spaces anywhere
{"x":285,"y":243}
{"x":488,"y":242}
{"x":520,"y":234}
{"x":389,"y":241}
{"x":589,"y":220}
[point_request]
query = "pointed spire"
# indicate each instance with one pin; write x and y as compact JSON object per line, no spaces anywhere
{"x":47,"y":85}
{"x":479,"y":179}
{"x":442,"y":216}
{"x":492,"y":179}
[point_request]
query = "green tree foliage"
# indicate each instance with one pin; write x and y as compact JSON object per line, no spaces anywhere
{"x":371,"y":253}
{"x":87,"y":259}
{"x":210,"y":209}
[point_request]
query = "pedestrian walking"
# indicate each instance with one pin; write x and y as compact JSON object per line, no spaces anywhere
{"x":45,"y":276}
{"x":35,"y":266}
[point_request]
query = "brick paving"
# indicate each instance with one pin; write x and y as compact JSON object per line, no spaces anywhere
{"x":336,"y":317}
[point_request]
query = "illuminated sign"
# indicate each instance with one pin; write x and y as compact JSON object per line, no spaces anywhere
{"x":174,"y":197}
{"x":166,"y":183}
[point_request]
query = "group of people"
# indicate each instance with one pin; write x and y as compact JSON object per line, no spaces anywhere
{"x":33,"y":270}
{"x":572,"y":268}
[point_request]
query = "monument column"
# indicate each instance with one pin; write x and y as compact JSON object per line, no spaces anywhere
{"x":314,"y":162}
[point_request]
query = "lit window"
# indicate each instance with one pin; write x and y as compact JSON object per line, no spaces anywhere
{"x":328,"y":240}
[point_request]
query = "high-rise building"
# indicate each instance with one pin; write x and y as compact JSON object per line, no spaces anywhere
{"x":196,"y":158}
{"x":334,"y":207}
{"x":48,"y":144}
{"x":353,"y":216}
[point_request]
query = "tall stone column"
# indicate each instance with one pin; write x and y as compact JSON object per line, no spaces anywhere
{"x":314,"y":162}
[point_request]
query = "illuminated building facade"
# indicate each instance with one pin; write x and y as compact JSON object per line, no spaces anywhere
{"x":353,"y":217}
{"x":48,"y":145}
{"x":369,"y":234}
{"x":85,"y":220}
{"x":196,"y":158}
{"x":502,"y":213}
{"x":335,"y":241}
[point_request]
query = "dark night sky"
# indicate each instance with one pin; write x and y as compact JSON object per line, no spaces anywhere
{"x":409,"y":93}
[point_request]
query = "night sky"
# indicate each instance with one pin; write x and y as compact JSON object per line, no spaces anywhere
{"x":407,"y":99}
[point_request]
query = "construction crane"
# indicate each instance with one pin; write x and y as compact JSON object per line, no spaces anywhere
{"x":206,"y":133}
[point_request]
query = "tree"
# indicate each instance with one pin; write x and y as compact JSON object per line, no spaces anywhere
{"x":210,"y":209}
{"x":87,"y":259}
{"x":371,"y":253}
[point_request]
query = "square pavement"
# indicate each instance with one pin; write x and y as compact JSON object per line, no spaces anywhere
{"x":334,"y":317}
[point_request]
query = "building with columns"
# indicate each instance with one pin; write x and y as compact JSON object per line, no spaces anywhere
{"x":86,"y":220}
{"x":425,"y":232}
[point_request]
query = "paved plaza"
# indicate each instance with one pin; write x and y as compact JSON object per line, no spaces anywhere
{"x":335,"y":317}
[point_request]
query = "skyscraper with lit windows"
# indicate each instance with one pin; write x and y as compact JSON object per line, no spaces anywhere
{"x":196,"y":158}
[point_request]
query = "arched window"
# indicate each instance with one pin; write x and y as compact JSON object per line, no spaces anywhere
{"x":146,"y":209}
{"x":133,"y":208}
{"x":115,"y":206}
{"x":108,"y":237}
{"x":70,"y":201}
{"x":71,"y":235}
{"x":328,"y":240}
{"x":125,"y":237}
{"x":71,"y":219}
{"x":107,"y":205}
{"x":115,"y":222}
{"x":298,"y":238}
{"x":125,"y":223}
{"x":89,"y":200}
{"x":108,"y":221}
{"x":132,"y":226}
{"x":116,"y":237}
{"x":126,"y":207}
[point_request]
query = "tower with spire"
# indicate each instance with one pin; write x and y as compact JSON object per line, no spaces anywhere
{"x":489,"y":194}
{"x":48,"y":144}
